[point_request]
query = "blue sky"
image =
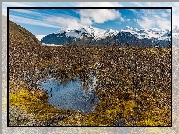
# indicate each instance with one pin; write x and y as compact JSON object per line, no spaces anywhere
{"x":44,"y":21}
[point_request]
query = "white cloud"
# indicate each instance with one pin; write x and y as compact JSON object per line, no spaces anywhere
{"x":155,"y":21}
{"x":23,"y":20}
{"x":174,"y":5}
{"x":100,"y":15}
{"x":13,"y":4}
{"x":175,"y":16}
{"x":4,"y":11}
{"x":90,"y":17}
{"x":164,"y":24}
{"x":86,"y":21}
{"x":87,"y":18}
{"x":65,"y":22}
{"x":154,"y":4}
{"x":98,"y":4}
{"x":32,"y":12}
{"x":138,"y":4}
{"x":145,"y":22}
{"x":153,"y":18}
{"x":26,"y":11}
{"x":71,"y":23}
{"x":168,"y":10}
{"x":164,"y":14}
{"x":122,"y":19}
{"x":17,"y":4}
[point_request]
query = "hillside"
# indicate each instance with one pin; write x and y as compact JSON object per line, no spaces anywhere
{"x":23,"y":48}
{"x":19,"y":34}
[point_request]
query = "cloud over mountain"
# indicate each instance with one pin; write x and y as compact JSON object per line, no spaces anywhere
{"x":100,"y":15}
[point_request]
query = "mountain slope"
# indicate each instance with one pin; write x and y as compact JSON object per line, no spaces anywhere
{"x":24,"y":48}
{"x":18,"y":34}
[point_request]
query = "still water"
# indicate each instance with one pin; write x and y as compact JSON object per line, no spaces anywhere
{"x":75,"y":94}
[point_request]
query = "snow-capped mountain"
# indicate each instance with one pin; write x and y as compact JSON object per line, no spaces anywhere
{"x":78,"y":36}
{"x":93,"y":36}
{"x":88,"y":31}
{"x":77,"y":33}
{"x":175,"y":29}
{"x":175,"y":39}
{"x":109,"y":33}
{"x":160,"y":34}
{"x":175,"y":36}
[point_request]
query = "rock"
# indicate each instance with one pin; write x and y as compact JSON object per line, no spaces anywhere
{"x":19,"y":117}
{"x":121,"y":122}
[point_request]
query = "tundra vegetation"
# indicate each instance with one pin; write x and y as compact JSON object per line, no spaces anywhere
{"x":134,"y":83}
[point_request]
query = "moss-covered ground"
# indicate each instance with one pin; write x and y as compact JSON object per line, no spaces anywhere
{"x":134,"y":83}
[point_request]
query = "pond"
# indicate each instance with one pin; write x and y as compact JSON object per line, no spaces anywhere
{"x":73,"y":94}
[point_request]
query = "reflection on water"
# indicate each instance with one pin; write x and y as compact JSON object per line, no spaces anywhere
{"x":74,"y":94}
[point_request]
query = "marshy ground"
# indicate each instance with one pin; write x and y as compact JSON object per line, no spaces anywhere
{"x":134,"y":83}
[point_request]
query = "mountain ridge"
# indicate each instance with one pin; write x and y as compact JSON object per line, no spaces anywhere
{"x":91,"y":36}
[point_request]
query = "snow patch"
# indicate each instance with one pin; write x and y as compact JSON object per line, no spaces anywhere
{"x":39,"y":37}
{"x":160,"y":34}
